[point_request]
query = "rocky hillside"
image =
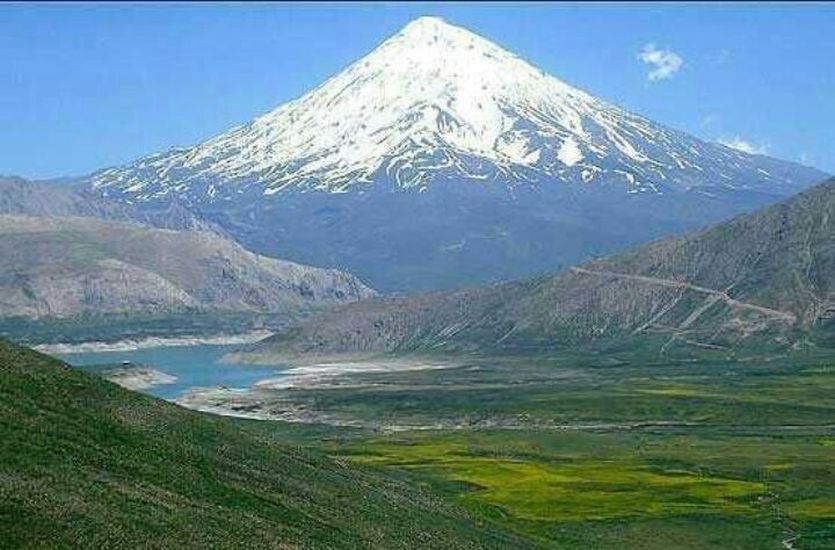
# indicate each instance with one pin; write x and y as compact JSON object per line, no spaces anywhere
{"x":60,"y":267}
{"x":764,"y":277}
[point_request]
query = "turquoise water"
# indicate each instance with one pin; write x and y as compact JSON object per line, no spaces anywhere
{"x":194,"y":366}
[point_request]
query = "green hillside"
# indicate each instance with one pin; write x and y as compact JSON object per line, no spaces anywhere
{"x":84,"y":463}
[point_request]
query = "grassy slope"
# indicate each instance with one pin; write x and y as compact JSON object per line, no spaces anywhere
{"x":84,"y":463}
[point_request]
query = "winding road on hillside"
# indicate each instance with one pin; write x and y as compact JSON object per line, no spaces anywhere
{"x":777,"y":314}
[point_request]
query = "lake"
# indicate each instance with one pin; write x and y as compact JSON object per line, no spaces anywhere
{"x":194,"y":366}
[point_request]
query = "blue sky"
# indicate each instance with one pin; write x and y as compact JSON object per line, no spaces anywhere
{"x":89,"y":86}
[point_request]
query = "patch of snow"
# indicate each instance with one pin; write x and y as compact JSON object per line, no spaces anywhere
{"x":569,"y":153}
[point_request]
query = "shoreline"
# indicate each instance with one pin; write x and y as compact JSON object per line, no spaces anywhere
{"x":268,"y":398}
{"x":325,"y":374}
{"x":65,"y":348}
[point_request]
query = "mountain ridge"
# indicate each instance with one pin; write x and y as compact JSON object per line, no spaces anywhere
{"x":764,"y":277}
{"x":70,"y":198}
{"x":58,"y":267}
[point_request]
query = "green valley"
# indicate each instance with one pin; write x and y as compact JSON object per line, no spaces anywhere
{"x":594,"y":453}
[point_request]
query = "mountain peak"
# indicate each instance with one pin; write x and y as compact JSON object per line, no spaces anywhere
{"x":451,"y":53}
{"x":427,"y":22}
{"x":435,"y":102}
{"x":434,"y":30}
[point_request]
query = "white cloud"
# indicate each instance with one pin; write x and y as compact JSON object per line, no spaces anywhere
{"x":664,"y":64}
{"x":745,"y":146}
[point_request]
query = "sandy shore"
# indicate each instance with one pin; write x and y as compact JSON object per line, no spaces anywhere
{"x":139,"y":377}
{"x":325,"y":374}
{"x":268,"y":399}
{"x":153,"y":342}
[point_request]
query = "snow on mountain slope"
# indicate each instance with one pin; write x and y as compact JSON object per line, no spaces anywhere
{"x":437,"y":102}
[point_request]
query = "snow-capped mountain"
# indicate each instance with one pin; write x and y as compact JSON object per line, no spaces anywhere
{"x":437,"y":100}
{"x":440,"y":158}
